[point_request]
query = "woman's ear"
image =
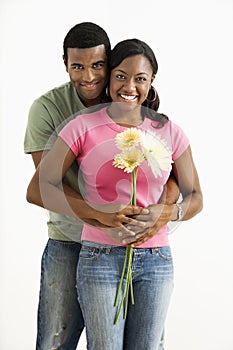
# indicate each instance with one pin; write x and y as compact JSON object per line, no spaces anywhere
{"x":153,"y":78}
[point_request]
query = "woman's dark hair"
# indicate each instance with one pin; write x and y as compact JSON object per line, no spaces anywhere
{"x":132,"y":47}
{"x":85,"y":35}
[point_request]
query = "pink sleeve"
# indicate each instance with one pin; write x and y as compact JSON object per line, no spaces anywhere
{"x":69,"y":134}
{"x":180,"y":141}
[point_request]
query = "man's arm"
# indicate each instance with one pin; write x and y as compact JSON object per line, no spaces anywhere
{"x":114,"y":233}
{"x":171,"y":191}
{"x":37,"y":157}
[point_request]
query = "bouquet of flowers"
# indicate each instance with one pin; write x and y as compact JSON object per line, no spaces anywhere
{"x":137,"y":146}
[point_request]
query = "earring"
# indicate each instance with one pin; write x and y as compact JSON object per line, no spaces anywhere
{"x":153,"y":92}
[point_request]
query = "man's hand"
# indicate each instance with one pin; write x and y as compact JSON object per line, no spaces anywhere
{"x":147,"y":223}
{"x":144,"y":226}
{"x":123,"y":232}
{"x":159,"y":215}
{"x":120,"y":234}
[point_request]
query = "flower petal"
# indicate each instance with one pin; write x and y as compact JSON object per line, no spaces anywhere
{"x":128,"y":138}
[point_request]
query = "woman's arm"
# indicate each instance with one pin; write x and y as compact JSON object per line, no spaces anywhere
{"x":45,"y":190}
{"x":189,"y":185}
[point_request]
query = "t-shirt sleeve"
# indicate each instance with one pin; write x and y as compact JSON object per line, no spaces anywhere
{"x":71,"y":134}
{"x":180,"y":141}
{"x":39,"y":135}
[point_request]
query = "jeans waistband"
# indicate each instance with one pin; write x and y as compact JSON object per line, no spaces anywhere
{"x":100,"y":245}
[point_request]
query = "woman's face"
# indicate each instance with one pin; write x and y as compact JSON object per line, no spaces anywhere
{"x":130,"y":82}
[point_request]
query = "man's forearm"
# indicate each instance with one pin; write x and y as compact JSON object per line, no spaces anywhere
{"x":171,"y":192}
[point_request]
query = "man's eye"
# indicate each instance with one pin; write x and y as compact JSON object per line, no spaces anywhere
{"x":98,"y":65}
{"x":78,"y":67}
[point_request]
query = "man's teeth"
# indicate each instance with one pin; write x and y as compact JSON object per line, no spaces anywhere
{"x":127,"y":97}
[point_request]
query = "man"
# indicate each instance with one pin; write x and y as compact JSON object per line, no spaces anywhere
{"x":86,"y":49}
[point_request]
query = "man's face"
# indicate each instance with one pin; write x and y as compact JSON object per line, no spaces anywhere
{"x":87,"y":69}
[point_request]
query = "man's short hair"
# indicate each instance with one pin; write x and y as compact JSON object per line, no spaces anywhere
{"x":86,"y":35}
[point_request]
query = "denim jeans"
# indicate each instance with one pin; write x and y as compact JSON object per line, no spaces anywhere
{"x":98,"y":275}
{"x":60,"y":321}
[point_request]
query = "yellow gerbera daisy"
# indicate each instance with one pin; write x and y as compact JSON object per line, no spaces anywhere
{"x":128,"y":160}
{"x":128,"y":138}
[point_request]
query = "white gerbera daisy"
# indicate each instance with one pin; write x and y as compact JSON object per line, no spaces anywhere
{"x":156,"y":153}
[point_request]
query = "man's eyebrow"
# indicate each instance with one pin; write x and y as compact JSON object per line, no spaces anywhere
{"x":99,"y":61}
{"x":75,"y":64}
{"x":81,"y":64}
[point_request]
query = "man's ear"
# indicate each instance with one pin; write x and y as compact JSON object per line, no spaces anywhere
{"x":65,"y":62}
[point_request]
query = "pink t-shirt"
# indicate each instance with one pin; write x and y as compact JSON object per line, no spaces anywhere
{"x":91,"y":137}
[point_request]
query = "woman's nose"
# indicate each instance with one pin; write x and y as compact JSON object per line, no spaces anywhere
{"x":130,"y":85}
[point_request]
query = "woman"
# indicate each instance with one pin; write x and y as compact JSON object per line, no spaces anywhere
{"x":91,"y":139}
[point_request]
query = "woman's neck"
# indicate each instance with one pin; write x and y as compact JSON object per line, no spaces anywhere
{"x":124,"y":117}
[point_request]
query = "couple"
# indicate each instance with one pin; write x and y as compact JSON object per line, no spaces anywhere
{"x":89,"y":140}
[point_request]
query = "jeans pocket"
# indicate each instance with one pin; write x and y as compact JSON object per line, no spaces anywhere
{"x":164,"y":253}
{"x":89,"y":253}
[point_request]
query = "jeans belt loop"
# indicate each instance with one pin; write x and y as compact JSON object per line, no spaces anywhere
{"x":154,"y":250}
{"x":107,"y":250}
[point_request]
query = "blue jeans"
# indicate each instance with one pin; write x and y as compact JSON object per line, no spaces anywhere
{"x":60,"y":321}
{"x":98,"y":274}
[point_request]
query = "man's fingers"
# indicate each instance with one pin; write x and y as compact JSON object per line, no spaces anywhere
{"x":129,"y":240}
{"x":123,"y":232}
{"x":142,"y":238}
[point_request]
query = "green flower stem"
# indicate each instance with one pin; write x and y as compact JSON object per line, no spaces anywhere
{"x":133,"y":200}
{"x":121,"y":280}
{"x":128,"y":284}
{"x":126,"y":301}
{"x":128,"y":258}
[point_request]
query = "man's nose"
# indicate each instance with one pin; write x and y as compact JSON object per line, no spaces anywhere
{"x":88,"y":75}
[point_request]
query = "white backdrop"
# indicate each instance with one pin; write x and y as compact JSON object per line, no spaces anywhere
{"x":193,"y":44}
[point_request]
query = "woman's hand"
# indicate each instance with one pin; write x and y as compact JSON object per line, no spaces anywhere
{"x":121,"y":233}
{"x":159,"y":215}
{"x":118,"y":215}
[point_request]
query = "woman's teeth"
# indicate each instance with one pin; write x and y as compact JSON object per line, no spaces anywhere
{"x":129,"y":98}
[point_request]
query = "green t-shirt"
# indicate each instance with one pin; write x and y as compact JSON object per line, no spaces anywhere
{"x":47,"y":115}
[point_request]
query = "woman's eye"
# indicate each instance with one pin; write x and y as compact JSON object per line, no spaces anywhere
{"x":120,"y":76}
{"x":141,"y":79}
